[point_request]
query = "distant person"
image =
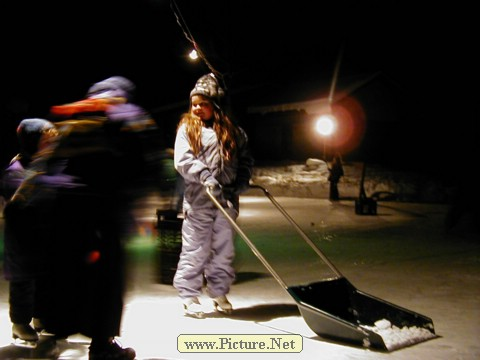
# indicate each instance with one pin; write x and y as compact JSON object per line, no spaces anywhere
{"x":210,"y":151}
{"x":27,"y":240}
{"x":335,"y":173}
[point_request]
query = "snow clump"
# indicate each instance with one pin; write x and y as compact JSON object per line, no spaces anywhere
{"x":395,"y":337}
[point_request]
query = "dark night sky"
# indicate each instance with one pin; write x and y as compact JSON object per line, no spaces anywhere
{"x":52,"y":51}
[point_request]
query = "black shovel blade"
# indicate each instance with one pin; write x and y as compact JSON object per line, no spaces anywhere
{"x":336,"y":310}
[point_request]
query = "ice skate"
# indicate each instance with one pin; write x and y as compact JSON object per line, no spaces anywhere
{"x":193,"y":308}
{"x":222,"y":304}
{"x":112,"y":351}
{"x":24,"y":335}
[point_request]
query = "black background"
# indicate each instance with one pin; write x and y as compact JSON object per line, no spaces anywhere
{"x":424,"y":55}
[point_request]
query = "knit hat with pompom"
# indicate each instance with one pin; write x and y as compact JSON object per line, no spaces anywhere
{"x":208,"y":86}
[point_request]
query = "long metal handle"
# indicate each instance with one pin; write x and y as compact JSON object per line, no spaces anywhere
{"x":247,"y":240}
{"x":299,"y":230}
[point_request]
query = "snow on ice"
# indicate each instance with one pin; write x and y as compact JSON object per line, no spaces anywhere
{"x":395,"y":337}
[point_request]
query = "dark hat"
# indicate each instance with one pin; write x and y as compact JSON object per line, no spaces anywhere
{"x":29,"y":132}
{"x":208,"y":86}
{"x":115,"y":86}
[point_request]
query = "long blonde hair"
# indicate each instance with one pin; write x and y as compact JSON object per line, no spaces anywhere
{"x":222,"y":125}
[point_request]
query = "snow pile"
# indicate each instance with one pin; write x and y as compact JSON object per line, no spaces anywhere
{"x":292,"y":175}
{"x":395,"y":337}
{"x":310,"y":180}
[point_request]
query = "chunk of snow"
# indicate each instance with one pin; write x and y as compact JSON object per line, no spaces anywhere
{"x":395,"y":337}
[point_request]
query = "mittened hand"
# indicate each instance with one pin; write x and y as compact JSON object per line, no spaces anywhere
{"x":215,"y":189}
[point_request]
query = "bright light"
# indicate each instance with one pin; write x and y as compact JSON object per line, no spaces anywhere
{"x":325,"y":125}
{"x":193,"y":55}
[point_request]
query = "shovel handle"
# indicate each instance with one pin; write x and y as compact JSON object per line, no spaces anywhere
{"x":246,"y":239}
{"x":299,"y":230}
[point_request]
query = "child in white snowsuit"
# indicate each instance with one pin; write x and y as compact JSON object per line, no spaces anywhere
{"x":209,"y":151}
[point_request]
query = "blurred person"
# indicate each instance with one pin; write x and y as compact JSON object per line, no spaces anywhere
{"x":210,"y":151}
{"x":27,"y":231}
{"x":171,"y":181}
{"x":107,"y":142}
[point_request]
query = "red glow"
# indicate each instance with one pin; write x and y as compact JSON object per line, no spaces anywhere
{"x":350,"y":125}
{"x":93,"y":256}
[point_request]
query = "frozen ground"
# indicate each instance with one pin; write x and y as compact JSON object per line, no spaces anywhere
{"x":402,"y":255}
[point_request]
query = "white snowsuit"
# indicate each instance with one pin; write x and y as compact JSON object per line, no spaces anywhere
{"x":207,"y":236}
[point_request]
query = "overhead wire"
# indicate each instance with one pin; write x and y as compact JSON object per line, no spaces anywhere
{"x":188,"y":35}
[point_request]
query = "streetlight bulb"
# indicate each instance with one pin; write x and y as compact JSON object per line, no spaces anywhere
{"x":193,"y":55}
{"x":325,"y":125}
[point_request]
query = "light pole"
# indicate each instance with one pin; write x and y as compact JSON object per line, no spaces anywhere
{"x":325,"y":126}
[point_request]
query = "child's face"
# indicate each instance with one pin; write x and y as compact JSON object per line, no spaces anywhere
{"x":202,"y":107}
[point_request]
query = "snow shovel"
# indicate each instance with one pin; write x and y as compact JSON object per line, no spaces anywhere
{"x":334,"y":309}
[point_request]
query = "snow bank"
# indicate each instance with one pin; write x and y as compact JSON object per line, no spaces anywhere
{"x":310,"y":180}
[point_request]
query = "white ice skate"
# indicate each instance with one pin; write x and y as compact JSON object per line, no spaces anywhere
{"x":24,"y":335}
{"x":193,"y":308}
{"x":222,"y":304}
